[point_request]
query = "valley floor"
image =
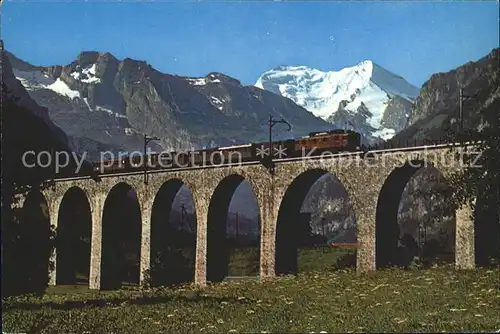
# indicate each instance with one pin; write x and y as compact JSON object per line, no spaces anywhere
{"x":395,"y":300}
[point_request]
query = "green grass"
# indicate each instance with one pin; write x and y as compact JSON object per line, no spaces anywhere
{"x":438,"y":299}
{"x":311,"y":259}
{"x":245,"y":261}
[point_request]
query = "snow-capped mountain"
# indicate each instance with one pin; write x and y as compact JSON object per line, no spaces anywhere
{"x":367,"y":97}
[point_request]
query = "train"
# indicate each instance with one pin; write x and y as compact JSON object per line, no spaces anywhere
{"x":316,"y":143}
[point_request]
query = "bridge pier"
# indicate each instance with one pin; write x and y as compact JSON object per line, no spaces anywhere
{"x":54,"y":217}
{"x":365,"y":257}
{"x":269,"y":207}
{"x":200,"y":267}
{"x":364,"y":198}
{"x":464,"y":240}
{"x":97,"y":207}
{"x":145,"y":255}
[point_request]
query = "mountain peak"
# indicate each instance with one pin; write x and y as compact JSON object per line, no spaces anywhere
{"x":87,"y":56}
{"x":368,"y":64}
{"x":215,"y":77}
{"x":107,"y":55}
{"x":334,"y":95}
{"x":90,"y":54}
{"x":365,"y":65}
{"x":211,"y":78}
{"x":292,"y":68}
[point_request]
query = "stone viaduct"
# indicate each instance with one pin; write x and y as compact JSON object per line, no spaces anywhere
{"x":374,"y":185}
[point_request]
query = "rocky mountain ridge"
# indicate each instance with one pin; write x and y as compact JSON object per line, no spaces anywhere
{"x":100,"y":98}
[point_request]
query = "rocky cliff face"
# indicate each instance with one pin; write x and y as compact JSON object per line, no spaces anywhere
{"x":397,"y":114}
{"x":436,"y":109}
{"x":26,"y":126}
{"x":14,"y":91}
{"x":114,"y":102}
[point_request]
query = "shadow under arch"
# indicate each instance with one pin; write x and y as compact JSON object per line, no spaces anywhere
{"x":173,"y":242}
{"x":35,"y":242}
{"x":73,"y":242}
{"x":218,"y":245}
{"x":121,"y":238}
{"x":294,"y":228}
{"x":486,"y":218}
{"x":388,"y":232}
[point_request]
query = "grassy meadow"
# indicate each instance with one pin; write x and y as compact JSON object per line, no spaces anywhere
{"x":319,"y":299}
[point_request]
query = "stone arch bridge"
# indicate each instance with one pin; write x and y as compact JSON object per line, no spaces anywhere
{"x":374,"y":184}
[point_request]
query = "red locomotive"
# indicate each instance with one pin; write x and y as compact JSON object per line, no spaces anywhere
{"x":335,"y":141}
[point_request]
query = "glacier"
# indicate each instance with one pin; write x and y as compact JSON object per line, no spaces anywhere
{"x":324,"y":93}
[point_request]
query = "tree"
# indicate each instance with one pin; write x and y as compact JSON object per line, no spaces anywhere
{"x":27,"y":238}
{"x":478,"y":184}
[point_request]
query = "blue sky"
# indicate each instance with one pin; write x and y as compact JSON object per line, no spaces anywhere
{"x":243,"y":39}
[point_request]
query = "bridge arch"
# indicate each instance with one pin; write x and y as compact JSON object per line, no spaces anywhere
{"x":74,"y":234}
{"x":295,"y":229}
{"x":35,"y":241}
{"x":173,"y":234}
{"x":121,"y":237}
{"x":227,"y":236}
{"x":406,"y":222}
